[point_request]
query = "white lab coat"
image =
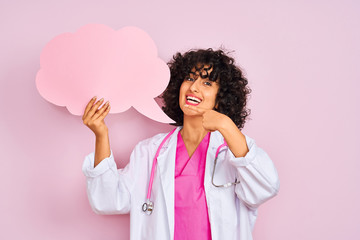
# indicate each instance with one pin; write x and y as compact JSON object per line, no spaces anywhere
{"x":232,"y":210}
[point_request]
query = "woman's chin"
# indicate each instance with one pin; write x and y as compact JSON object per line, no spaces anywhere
{"x":191,"y":113}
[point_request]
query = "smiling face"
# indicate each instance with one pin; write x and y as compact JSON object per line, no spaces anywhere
{"x":198,"y":90}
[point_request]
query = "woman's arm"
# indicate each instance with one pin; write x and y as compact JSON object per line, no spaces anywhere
{"x":108,"y":188}
{"x":257,"y":174}
{"x":102,"y":148}
{"x":259,"y":180}
{"x":233,"y":136}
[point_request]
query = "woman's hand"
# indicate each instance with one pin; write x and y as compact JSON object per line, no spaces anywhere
{"x":94,"y":117}
{"x":212,"y":120}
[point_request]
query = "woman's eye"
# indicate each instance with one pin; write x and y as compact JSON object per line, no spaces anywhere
{"x":190,"y":79}
{"x":207,"y":83}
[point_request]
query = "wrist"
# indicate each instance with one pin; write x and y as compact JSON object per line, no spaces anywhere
{"x":225,"y":124}
{"x":102,"y":135}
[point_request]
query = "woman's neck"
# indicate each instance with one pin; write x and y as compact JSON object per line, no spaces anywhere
{"x":193,"y":130}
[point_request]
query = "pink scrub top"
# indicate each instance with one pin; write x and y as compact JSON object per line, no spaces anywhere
{"x":191,"y":213}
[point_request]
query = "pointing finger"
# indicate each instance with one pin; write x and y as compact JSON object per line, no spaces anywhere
{"x":196,"y":109}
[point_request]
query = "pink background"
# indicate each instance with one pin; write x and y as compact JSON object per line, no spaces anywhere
{"x":302,"y":63}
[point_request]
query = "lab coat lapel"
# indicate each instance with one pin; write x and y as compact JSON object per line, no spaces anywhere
{"x":166,"y":171}
{"x":216,"y":139}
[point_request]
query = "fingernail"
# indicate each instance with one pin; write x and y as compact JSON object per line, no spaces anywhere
{"x":101,"y":100}
{"x":93,"y":98}
{"x":107,"y":103}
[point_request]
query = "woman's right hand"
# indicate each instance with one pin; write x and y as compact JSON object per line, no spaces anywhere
{"x":94,"y":117}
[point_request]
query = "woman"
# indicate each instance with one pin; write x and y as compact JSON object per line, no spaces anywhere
{"x":209,"y":178}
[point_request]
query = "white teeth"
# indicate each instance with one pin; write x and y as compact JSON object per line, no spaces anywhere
{"x":193,"y":99}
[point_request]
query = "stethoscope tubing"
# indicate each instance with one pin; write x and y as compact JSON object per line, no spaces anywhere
{"x":148,"y":206}
{"x":154,"y":164}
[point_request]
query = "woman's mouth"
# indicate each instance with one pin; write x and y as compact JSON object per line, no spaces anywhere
{"x":192,"y":100}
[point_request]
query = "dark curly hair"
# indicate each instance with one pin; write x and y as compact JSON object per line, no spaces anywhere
{"x":233,"y":91}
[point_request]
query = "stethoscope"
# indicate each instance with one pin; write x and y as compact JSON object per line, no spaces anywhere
{"x":148,"y":206}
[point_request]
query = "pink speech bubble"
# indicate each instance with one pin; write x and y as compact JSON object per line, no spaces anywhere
{"x":120,"y":66}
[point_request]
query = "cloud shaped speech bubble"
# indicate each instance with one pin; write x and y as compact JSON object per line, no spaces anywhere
{"x":121,"y":66}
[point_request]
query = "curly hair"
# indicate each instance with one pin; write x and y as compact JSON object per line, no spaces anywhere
{"x":233,"y":91}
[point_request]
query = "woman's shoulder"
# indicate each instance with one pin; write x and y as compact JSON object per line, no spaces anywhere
{"x":153,"y":141}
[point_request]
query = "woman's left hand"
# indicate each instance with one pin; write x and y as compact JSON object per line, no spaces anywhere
{"x":212,"y":120}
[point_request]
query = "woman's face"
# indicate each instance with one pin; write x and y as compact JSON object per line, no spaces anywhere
{"x":198,"y":91}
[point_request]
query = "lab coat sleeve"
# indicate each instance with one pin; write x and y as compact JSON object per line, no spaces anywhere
{"x":108,"y":188}
{"x":257,"y":175}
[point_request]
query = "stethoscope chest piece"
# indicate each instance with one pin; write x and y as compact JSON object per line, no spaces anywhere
{"x":148,"y":207}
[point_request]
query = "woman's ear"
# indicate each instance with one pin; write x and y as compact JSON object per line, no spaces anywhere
{"x":216,"y":105}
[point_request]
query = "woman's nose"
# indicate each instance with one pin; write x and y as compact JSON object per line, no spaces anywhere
{"x":194,"y":86}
